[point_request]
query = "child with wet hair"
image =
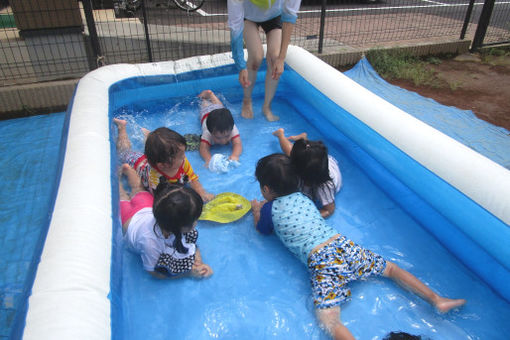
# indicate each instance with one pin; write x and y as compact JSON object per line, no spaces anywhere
{"x":320,"y":177}
{"x":163,"y":159}
{"x":161,"y":228}
{"x":217,"y":127}
{"x":332,"y":259}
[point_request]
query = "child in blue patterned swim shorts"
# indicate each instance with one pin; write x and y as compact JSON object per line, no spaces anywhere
{"x":333,"y":260}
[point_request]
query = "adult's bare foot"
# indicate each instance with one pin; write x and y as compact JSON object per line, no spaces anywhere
{"x":269,"y":114}
{"x":247,"y":109}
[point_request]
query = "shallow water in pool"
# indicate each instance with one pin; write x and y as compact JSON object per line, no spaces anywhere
{"x":259,"y":290}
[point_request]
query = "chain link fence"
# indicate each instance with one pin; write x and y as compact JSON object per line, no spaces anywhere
{"x":44,"y":40}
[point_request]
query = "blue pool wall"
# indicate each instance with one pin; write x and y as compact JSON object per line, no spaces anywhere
{"x":438,"y":206}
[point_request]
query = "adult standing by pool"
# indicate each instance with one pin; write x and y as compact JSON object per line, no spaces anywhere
{"x":277,"y":19}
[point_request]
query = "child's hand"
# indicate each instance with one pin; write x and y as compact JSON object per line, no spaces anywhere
{"x":206,"y":197}
{"x":201,"y":270}
{"x":256,"y":206}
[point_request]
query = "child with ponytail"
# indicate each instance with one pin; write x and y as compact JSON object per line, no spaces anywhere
{"x":161,"y":228}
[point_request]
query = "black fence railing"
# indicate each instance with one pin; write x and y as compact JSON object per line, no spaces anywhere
{"x":42,"y":40}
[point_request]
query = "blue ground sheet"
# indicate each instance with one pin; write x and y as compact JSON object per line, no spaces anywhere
{"x":462,"y":125}
{"x":29,"y":153}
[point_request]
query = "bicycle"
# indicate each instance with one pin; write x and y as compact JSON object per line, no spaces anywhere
{"x":128,"y":8}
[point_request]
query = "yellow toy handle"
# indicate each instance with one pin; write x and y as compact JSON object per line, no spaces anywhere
{"x":225,"y":208}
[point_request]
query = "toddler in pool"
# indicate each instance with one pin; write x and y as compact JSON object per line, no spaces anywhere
{"x":163,"y":159}
{"x":332,"y":259}
{"x":319,"y":174}
{"x":161,"y":228}
{"x":217,"y":127}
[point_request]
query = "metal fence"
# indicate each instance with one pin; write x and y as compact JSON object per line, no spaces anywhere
{"x":42,"y":40}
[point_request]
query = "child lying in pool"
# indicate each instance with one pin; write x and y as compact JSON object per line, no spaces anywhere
{"x":320,"y":177}
{"x":217,"y":127}
{"x":162,"y":228}
{"x":332,"y":259}
{"x":164,"y":157}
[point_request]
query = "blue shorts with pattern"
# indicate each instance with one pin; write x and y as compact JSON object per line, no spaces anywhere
{"x":336,"y":264}
{"x":130,"y":157}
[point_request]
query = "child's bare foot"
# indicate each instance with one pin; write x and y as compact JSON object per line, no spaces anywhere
{"x":444,"y":305}
{"x":247,"y":109}
{"x":280,"y":133}
{"x":125,"y":168}
{"x":297,"y":137}
{"x":205,"y":94}
{"x":121,"y":123}
{"x":269,"y":114}
{"x":145,"y":132}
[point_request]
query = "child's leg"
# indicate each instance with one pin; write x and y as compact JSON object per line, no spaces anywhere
{"x":145,"y":132}
{"x":302,"y":135}
{"x":285,"y":144}
{"x":123,"y":195}
{"x":208,"y":97}
{"x":123,"y":142}
{"x":330,"y":320}
{"x":133,"y":179}
{"x":410,"y":281}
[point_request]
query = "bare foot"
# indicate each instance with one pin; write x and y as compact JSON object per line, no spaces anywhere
{"x":121,"y":123}
{"x":280,"y":133}
{"x":125,"y":168}
{"x":297,"y":137}
{"x":205,"y":94}
{"x":269,"y":114}
{"x":444,"y":305}
{"x":145,"y":132}
{"x":247,"y":109}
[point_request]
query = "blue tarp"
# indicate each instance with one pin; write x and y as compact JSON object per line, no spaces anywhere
{"x":491,"y":141}
{"x":29,"y":153}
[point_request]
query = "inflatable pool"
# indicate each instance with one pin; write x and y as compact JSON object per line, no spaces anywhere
{"x":457,"y":195}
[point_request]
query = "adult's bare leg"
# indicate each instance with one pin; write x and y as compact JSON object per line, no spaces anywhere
{"x":255,"y":56}
{"x":274,"y":40}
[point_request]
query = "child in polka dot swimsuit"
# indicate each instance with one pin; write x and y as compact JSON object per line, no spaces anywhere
{"x":161,"y":228}
{"x":332,"y":259}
